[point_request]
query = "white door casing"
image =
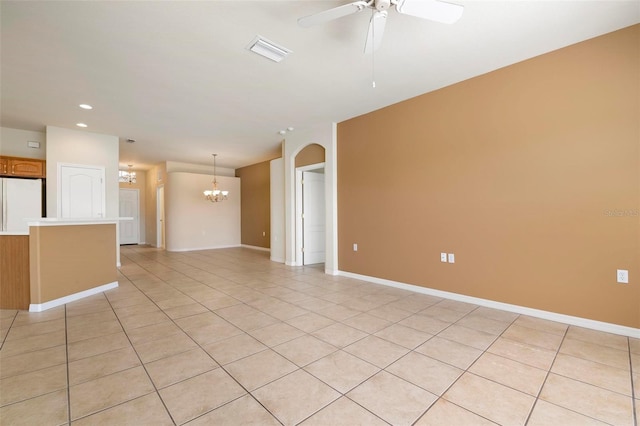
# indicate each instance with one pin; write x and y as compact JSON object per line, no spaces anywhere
{"x":313,"y":218}
{"x":82,"y":191}
{"x":160,"y":243}
{"x":130,"y":207}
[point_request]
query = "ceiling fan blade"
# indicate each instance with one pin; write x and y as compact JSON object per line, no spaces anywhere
{"x":434,"y":10}
{"x":331,"y":14}
{"x":376,"y":31}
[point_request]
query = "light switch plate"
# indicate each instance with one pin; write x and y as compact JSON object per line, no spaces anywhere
{"x":452,"y":258}
{"x":443,"y":257}
{"x":355,"y":247}
{"x":623,"y":276}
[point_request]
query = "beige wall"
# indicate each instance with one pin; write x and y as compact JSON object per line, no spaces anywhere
{"x":14,"y":143}
{"x":255,"y":200}
{"x":520,"y":173}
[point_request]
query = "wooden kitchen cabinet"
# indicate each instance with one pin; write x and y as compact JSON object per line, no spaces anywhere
{"x":22,"y":167}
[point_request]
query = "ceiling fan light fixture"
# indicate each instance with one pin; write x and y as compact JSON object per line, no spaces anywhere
{"x":268,"y":49}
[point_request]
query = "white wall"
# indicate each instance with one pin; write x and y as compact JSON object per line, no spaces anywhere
{"x":192,"y":222}
{"x":13,"y":143}
{"x":176,"y":166}
{"x":277,"y":211}
{"x":326,"y":136}
{"x":82,"y":148}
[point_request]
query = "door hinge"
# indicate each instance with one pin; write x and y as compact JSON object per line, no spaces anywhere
{"x":302,"y":249}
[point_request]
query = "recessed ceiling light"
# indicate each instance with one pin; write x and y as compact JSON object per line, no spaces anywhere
{"x":81,"y":125}
{"x":85,"y":106}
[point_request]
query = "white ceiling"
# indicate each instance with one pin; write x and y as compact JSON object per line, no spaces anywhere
{"x":176,"y":75}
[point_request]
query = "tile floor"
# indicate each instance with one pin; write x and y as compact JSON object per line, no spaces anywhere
{"x":228,"y":337}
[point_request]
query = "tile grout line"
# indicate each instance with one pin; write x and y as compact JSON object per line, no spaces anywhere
{"x":66,"y":349}
{"x":633,"y":392}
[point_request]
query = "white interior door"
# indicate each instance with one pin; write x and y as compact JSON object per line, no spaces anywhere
{"x":82,"y":191}
{"x":313,"y":218}
{"x":130,"y":207}
{"x":160,"y":214}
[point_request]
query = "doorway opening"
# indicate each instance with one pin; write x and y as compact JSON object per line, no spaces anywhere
{"x":160,"y":243}
{"x":310,"y":215}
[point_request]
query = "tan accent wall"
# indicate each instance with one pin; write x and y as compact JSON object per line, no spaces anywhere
{"x":255,"y":212}
{"x":69,"y":259}
{"x":311,"y":154}
{"x":528,"y":174}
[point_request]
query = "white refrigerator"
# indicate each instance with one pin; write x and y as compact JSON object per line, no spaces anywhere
{"x":20,"y":199}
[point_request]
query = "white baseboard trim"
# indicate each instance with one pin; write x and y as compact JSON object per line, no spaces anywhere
{"x":552,"y":316}
{"x":118,"y":265}
{"x":256,"y":248}
{"x":276,"y":259}
{"x":39,"y":307}
{"x":203,"y":248}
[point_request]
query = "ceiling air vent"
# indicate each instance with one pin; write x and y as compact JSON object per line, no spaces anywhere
{"x":268,"y":49}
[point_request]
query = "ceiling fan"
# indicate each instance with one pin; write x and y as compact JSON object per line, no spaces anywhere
{"x":433,"y":10}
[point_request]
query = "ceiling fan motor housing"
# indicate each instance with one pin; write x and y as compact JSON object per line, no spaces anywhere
{"x":381,"y":5}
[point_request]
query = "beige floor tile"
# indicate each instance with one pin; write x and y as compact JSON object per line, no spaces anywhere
{"x":342,"y":371}
{"x":141,"y":308}
{"x":425,"y":323}
{"x":392,"y":399}
{"x":30,"y":385}
{"x":527,"y":354}
{"x":484,"y":324}
{"x":376,"y":351}
{"x":35,"y":329}
{"x":153,"y":332}
{"x":243,"y":411}
{"x":185,"y":310}
{"x":234,"y":348}
{"x":495,"y":314}
{"x":257,"y":370}
{"x":404,"y":336}
{"x":175,"y":302}
{"x":338,"y":312}
{"x":415,"y":302}
{"x":540,"y":324}
{"x":594,"y":373}
{"x":276,"y":334}
{"x":450,"y":352}
{"x":96,"y":395}
{"x":343,"y":412}
{"x":545,"y":414}
{"x":589,"y":400}
{"x":33,"y":343}
{"x":445,"y":413}
{"x":593,"y":352}
{"x":213,"y":333}
{"x":144,"y":319}
{"x":31,"y":361}
{"x":176,"y":368}
{"x":598,"y":337}
{"x":428,"y":373}
{"x":26,"y":317}
{"x":443,"y":314}
{"x":285,"y":311}
{"x":89,"y":331}
{"x":467,"y":336}
{"x":490,"y":400}
{"x":253,"y":321}
{"x":310,"y":322}
{"x":305,"y":350}
{"x":295,"y":397}
{"x":634,"y":345}
{"x":339,"y":335}
{"x":96,"y":346}
{"x":162,"y":348}
{"x":390,"y":313}
{"x":145,"y":410}
{"x":48,"y":409}
{"x":314,"y":304}
{"x":533,"y":336}
{"x":196,"y":396}
{"x":367,"y":323}
{"x":220,"y":302}
{"x":510,"y":373}
{"x":236,"y":311}
{"x":199,"y":320}
{"x":101,"y":365}
{"x":457,"y":306}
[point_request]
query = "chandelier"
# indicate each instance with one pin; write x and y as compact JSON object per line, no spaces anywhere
{"x":127,"y":176}
{"x":215,"y":195}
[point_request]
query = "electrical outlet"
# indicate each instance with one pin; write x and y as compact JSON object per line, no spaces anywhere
{"x":443,"y":257}
{"x":623,"y":276}
{"x":452,"y":258}
{"x":355,"y":247}
{"x":264,"y":233}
